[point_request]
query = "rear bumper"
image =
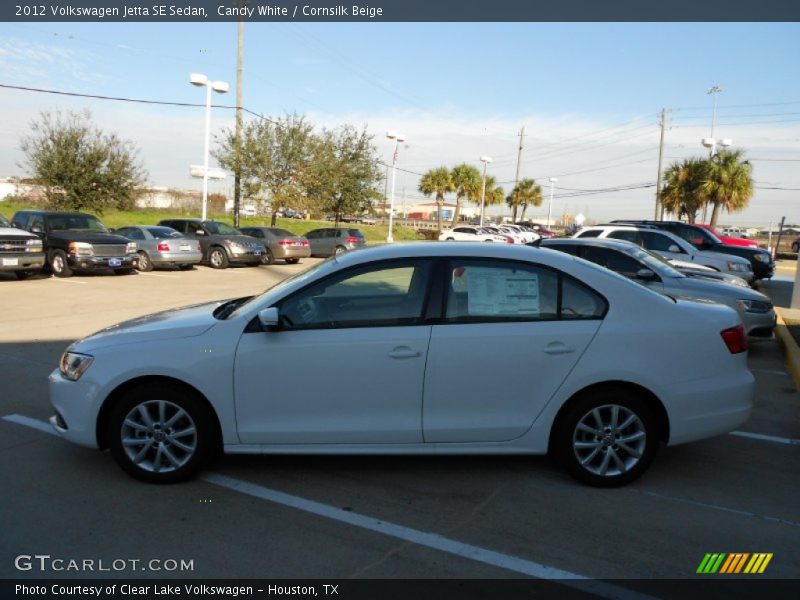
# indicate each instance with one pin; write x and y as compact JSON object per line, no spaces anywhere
{"x":282,"y":252}
{"x":702,"y":409}
{"x":176,"y":258}
{"x":102,"y":262}
{"x":763,"y":270}
{"x":759,"y":324}
{"x":21,"y":261}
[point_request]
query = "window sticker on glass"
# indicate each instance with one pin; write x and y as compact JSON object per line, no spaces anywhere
{"x":502,"y":292}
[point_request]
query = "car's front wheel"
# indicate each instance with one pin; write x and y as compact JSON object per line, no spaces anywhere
{"x":292,"y":261}
{"x":218,"y":258}
{"x":267,"y":258}
{"x":607,"y":438}
{"x":796,"y":247}
{"x":144,"y":264}
{"x":59,"y":265}
{"x":160,"y":434}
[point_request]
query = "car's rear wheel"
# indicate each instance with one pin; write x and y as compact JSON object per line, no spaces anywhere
{"x":292,"y":261}
{"x":450,"y":239}
{"x":144,"y":264}
{"x":59,"y":265}
{"x":160,"y":434}
{"x":218,"y":258}
{"x":607,"y":438}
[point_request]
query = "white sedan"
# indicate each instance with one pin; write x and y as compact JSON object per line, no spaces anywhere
{"x":586,"y":364}
{"x":469,"y":233}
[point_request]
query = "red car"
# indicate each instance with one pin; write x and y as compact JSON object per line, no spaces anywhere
{"x":730,"y":241}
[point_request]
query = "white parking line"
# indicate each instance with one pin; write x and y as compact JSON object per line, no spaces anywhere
{"x":767,"y":438}
{"x":771,"y":372}
{"x":160,"y":275}
{"x":62,"y":280}
{"x":415,"y":536}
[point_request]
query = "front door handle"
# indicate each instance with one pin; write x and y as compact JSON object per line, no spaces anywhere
{"x":403,"y":352}
{"x":557,"y":348}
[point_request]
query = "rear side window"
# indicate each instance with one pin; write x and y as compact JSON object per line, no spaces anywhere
{"x":133,"y":234}
{"x":628,"y":236}
{"x":579,"y":302}
{"x":589,"y":233}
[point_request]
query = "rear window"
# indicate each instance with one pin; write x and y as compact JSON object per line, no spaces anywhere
{"x":355,"y":233}
{"x":280,"y":232}
{"x":161,"y":233}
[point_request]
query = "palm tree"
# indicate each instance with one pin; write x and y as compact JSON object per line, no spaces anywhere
{"x":440,"y":182}
{"x":494,"y":193}
{"x":682,"y":193}
{"x":524,"y":193}
{"x":467,"y":182}
{"x":728,"y":183}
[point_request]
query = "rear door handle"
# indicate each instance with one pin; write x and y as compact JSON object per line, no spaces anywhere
{"x":557,"y":348}
{"x":403,"y":352}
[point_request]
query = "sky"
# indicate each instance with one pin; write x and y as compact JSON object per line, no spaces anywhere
{"x":588,"y":94}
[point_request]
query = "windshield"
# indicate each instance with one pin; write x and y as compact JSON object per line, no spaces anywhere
{"x":75,"y":223}
{"x":655,"y":263}
{"x":4,"y":222}
{"x":218,"y":228}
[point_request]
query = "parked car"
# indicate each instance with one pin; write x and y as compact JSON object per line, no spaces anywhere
{"x":612,"y":369}
{"x":330,"y":241}
{"x":796,"y":245}
{"x":541,"y":230}
{"x":280,"y":244}
{"x":649,"y":269}
{"x":160,"y":246}
{"x":75,"y":241}
{"x":21,"y":253}
{"x":473,"y":233}
{"x":670,"y":246}
{"x":730,"y":240}
{"x":734,"y":232}
{"x":222,"y":245}
{"x":760,"y":259}
{"x":699,"y":271}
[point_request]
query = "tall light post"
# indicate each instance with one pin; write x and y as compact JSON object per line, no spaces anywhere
{"x":552,"y":181}
{"x":397,"y":137}
{"x":711,"y":142}
{"x":220,"y":87}
{"x":485,"y":160}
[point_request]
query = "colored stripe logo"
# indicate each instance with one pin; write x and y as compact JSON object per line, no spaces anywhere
{"x":734,"y":563}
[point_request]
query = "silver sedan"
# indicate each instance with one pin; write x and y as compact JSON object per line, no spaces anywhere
{"x":162,"y":247}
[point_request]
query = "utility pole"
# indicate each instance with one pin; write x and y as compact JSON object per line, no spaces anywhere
{"x":237,"y":175}
{"x":660,"y":156}
{"x":519,"y":160}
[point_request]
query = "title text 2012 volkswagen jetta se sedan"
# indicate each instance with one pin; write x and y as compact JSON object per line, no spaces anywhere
{"x":373,"y":352}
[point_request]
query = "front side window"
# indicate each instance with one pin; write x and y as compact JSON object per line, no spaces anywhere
{"x":131,"y":233}
{"x":613,"y":260}
{"x":386,"y":294}
{"x":217,"y":228}
{"x":659,"y":242}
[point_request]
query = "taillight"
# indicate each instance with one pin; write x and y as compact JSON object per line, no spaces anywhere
{"x":305,"y":242}
{"x":352,"y":240}
{"x":285,"y":243}
{"x":163,"y":247}
{"x":735,"y":339}
{"x":509,"y":239}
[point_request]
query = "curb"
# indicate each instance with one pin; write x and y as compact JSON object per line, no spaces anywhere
{"x":790,"y":348}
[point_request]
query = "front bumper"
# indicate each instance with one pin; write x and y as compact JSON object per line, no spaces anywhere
{"x":251,"y":257}
{"x":88,"y":263}
{"x":21,"y":261}
{"x":763,"y":270}
{"x":77,"y":405}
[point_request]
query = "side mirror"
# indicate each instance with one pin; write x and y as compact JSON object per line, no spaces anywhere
{"x":270,"y":319}
{"x":112,"y":230}
{"x":645,"y":274}
{"x":199,"y":232}
{"x":37,"y":230}
{"x":674,"y":248}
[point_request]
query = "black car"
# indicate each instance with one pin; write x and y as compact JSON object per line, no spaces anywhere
{"x":702,"y":239}
{"x":75,"y":241}
{"x":222,"y":245}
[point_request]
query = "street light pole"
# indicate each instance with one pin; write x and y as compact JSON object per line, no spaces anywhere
{"x":485,"y":160}
{"x":552,"y":181}
{"x":397,"y":137}
{"x":220,"y":87}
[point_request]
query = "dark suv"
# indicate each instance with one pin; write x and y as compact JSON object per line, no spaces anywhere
{"x":77,"y":241}
{"x":702,"y":239}
{"x":20,"y":252}
{"x":221,"y":244}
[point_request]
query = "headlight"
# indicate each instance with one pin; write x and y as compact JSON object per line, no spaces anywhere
{"x":754,"y":306}
{"x":81,"y":249}
{"x":33,"y":245}
{"x":73,"y":365}
{"x":130,"y":248}
{"x":737,"y":266}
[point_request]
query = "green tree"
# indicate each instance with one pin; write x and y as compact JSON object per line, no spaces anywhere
{"x":494,"y":193}
{"x":439,"y":182}
{"x":344,"y":173}
{"x":682,"y":194}
{"x":79,"y":166}
{"x":467,"y":182}
{"x":728,"y":183}
{"x":525,"y":193}
{"x":274,"y":158}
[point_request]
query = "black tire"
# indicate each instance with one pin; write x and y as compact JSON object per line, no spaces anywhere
{"x":451,"y":239}
{"x":267,"y":258}
{"x":145,"y":264}
{"x":186,"y":267}
{"x":292,"y":261}
{"x":217,"y":258}
{"x":795,"y":246}
{"x":25,"y":274}
{"x":155,"y":466}
{"x":605,"y":443}
{"x":58,"y":264}
{"x":339,"y":250}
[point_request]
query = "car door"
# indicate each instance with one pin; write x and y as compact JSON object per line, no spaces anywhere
{"x":510,"y":335}
{"x":347,"y":365}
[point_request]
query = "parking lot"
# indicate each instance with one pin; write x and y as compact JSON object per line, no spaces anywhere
{"x":345,"y":517}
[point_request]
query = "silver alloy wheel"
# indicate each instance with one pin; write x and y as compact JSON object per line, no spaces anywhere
{"x":143,"y":261}
{"x":158,"y":436}
{"x":609,"y":440}
{"x":57,"y":263}
{"x":339,"y":250}
{"x":216,"y":258}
